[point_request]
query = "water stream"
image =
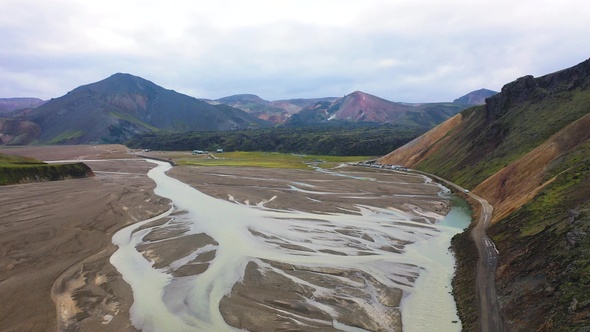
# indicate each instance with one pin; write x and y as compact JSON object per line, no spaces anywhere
{"x":384,"y":249}
{"x":430,"y":305}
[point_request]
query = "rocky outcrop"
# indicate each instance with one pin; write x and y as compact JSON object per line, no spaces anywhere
{"x":533,"y":90}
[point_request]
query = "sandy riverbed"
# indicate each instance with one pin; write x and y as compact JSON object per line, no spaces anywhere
{"x":56,"y":237}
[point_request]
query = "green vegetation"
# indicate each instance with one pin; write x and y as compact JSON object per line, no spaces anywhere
{"x":557,"y":218}
{"x":17,"y":169}
{"x":465,"y":274}
{"x":344,"y":140}
{"x":132,"y":119}
{"x":268,"y":159}
{"x":543,"y":276}
{"x":65,"y":136}
{"x":483,"y":146}
{"x":8,"y":160}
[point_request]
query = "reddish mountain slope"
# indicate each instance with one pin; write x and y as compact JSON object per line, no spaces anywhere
{"x":18,"y":132}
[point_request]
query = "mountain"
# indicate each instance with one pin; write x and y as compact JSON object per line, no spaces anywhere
{"x":363,"y":107}
{"x":527,"y":151}
{"x":477,"y":97}
{"x":118,"y":107}
{"x":257,"y":107}
{"x":12,"y":104}
{"x":18,"y":132}
{"x":276,"y":112}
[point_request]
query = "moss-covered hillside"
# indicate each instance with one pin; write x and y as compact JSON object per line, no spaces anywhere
{"x":544,"y":267}
{"x":17,"y":169}
{"x":527,"y":151}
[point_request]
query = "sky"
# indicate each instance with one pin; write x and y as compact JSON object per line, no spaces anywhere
{"x":400,"y":50}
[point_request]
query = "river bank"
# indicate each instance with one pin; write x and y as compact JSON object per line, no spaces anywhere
{"x":285,"y":274}
{"x":275,"y":289}
{"x":56,"y":238}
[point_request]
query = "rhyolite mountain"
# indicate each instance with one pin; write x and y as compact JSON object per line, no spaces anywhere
{"x":256,"y":106}
{"x":354,"y":107}
{"x":14,"y":131}
{"x":477,"y":97}
{"x":363,"y":107}
{"x":527,"y":151}
{"x":276,"y":112}
{"x":13,"y":104}
{"x":118,"y":107}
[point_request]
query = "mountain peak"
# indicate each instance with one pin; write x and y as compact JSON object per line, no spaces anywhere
{"x":242,"y":98}
{"x":120,"y":82}
{"x":477,"y":97}
{"x":122,"y":105}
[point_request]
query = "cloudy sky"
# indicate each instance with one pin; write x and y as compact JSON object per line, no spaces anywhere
{"x":400,"y":50}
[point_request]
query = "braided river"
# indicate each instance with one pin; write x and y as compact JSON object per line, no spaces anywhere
{"x":211,"y":264}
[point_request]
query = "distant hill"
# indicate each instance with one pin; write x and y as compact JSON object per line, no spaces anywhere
{"x":18,"y":132}
{"x":527,"y":151}
{"x":363,"y":107}
{"x":257,"y":107}
{"x":12,"y":104}
{"x":477,"y":97}
{"x":116,"y":108}
{"x":276,"y":112}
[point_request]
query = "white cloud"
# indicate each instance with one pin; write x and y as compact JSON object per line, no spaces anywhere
{"x":420,"y":50}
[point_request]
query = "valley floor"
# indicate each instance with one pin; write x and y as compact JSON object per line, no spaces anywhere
{"x":56,"y":236}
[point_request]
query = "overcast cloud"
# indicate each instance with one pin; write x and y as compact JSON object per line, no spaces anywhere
{"x":400,"y":50}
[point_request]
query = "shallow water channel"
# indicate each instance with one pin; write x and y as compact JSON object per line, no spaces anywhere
{"x":208,"y":261}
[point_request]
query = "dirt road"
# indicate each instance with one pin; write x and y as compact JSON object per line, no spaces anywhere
{"x":490,"y":319}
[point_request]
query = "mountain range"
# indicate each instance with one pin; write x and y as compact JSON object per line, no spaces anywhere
{"x":8,"y":105}
{"x":526,"y":151}
{"x":115,"y":109}
{"x":276,"y":112}
{"x":362,"y":107}
{"x":354,"y":107}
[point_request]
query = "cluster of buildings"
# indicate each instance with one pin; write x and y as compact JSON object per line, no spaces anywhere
{"x":373,"y":164}
{"x":206,"y":152}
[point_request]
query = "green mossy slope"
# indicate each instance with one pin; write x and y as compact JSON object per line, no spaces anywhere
{"x":17,"y":169}
{"x":544,"y":246}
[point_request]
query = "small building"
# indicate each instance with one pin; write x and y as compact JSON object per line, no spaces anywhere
{"x":219,"y":150}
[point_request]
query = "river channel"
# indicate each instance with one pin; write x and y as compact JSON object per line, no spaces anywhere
{"x":210,"y":264}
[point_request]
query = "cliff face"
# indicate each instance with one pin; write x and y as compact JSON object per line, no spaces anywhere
{"x":527,"y":151}
{"x":534,"y":90}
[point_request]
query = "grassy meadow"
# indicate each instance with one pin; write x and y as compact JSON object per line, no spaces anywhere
{"x":259,"y":159}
